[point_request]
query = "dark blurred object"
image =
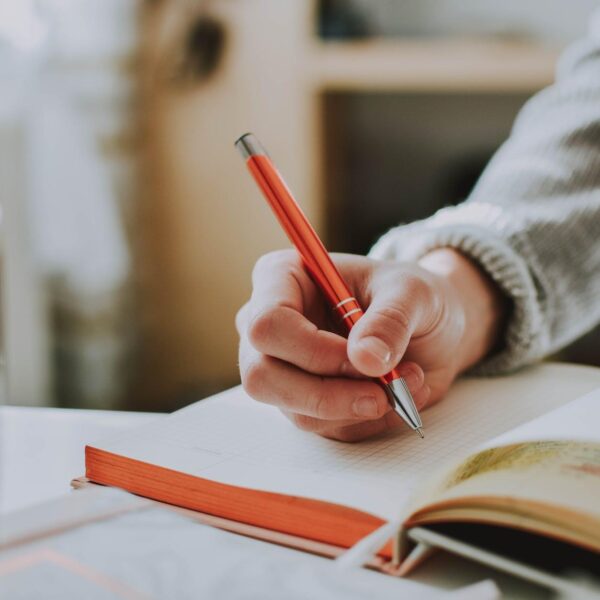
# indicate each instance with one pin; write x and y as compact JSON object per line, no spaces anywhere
{"x":544,"y":20}
{"x":460,"y":176}
{"x":586,"y":350}
{"x":396,"y":158}
{"x":339,"y":20}
{"x":190,"y":43}
{"x":93,"y":346}
{"x":201,"y":51}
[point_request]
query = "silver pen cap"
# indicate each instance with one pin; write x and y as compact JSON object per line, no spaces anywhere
{"x":248,"y":145}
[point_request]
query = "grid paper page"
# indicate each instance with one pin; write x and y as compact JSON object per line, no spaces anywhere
{"x":233,"y":439}
{"x":576,"y":421}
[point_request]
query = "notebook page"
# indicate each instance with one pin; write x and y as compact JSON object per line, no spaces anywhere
{"x":232,"y":439}
{"x":578,"y":420}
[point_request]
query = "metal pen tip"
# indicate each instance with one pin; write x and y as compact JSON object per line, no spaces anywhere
{"x":403,"y":404}
{"x":420,"y":432}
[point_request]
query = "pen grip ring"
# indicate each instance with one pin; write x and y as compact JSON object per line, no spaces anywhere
{"x":348,"y":311}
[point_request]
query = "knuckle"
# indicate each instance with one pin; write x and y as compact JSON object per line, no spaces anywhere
{"x":254,"y":376}
{"x":271,"y":260}
{"x":394,"y":319}
{"x":320,"y":402}
{"x":266,"y":262}
{"x":261,"y":326}
{"x":316,"y":357}
{"x":240,"y":317}
{"x":343,"y":434}
{"x":303,"y":422}
{"x":419,"y":289}
{"x":324,"y":402}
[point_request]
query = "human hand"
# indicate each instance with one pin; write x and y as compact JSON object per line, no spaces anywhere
{"x":438,"y":317}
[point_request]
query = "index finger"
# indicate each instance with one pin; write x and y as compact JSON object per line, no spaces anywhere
{"x":277,"y":323}
{"x":279,"y":279}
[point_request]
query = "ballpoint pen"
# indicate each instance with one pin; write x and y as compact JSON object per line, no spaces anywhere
{"x":319,"y":265}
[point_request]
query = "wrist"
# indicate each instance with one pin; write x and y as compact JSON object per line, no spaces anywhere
{"x":484,"y":305}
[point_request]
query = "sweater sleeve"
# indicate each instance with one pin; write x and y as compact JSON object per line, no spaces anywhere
{"x":532,"y":221}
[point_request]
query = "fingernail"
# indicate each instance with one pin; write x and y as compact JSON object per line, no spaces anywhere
{"x":365,"y":407}
{"x":377,"y":348}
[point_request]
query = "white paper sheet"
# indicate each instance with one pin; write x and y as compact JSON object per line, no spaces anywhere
{"x":155,"y":554}
{"x":232,"y":439}
{"x":578,"y":420}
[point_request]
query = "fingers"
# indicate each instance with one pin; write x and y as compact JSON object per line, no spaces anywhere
{"x":346,"y":431}
{"x":413,"y":376}
{"x":284,"y":333}
{"x":399,"y":309}
{"x":275,"y":382}
{"x":278,"y":279}
{"x":321,"y":404}
{"x":355,"y":431}
{"x":276,"y":324}
{"x":316,"y":376}
{"x":422,"y":397}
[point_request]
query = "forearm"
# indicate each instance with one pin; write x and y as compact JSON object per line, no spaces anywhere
{"x":533,"y":220}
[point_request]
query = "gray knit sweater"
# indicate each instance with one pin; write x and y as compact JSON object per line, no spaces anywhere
{"x":533,"y":220}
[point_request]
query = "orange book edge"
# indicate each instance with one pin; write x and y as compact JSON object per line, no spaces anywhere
{"x":332,"y":525}
{"x":259,"y":533}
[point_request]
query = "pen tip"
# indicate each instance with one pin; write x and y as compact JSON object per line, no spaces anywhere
{"x":420,"y":432}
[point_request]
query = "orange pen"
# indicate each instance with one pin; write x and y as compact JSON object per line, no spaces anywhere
{"x":318,"y":263}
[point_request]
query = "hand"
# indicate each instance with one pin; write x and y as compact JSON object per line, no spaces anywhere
{"x":432,"y":320}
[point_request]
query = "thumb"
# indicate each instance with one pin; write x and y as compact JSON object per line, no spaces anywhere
{"x":379,"y":339}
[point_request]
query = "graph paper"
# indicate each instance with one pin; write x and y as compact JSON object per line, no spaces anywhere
{"x":233,"y":439}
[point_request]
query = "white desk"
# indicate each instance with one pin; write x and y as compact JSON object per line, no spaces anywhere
{"x":41,"y":450}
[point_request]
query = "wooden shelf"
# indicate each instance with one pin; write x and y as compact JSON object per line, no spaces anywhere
{"x":437,"y":65}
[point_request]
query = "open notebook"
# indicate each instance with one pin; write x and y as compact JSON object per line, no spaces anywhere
{"x":234,"y":458}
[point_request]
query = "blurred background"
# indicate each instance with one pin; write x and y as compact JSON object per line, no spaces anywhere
{"x":129,"y":224}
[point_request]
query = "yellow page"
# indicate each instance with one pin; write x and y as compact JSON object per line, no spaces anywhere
{"x":552,"y":463}
{"x":232,"y":439}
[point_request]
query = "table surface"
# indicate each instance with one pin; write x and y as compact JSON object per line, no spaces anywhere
{"x":42,"y":449}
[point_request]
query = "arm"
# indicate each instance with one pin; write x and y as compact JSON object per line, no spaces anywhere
{"x":504,"y":278}
{"x":533,"y":220}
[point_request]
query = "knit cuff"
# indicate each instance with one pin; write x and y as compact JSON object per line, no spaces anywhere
{"x":525,"y":338}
